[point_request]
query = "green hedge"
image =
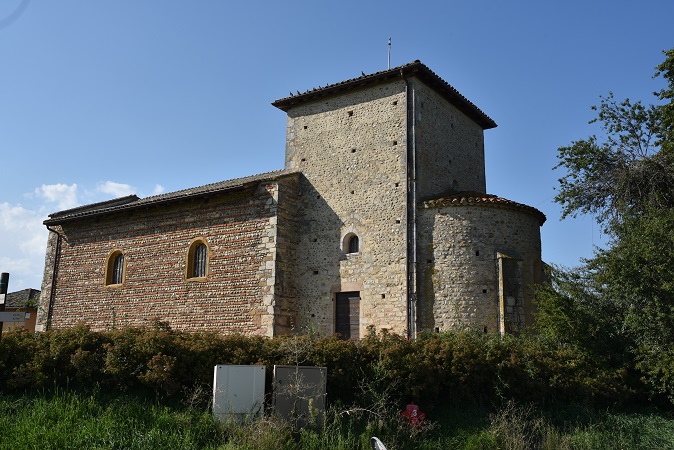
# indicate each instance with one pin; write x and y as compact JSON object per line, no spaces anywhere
{"x":435,"y":369}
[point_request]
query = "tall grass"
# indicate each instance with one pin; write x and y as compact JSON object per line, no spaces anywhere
{"x":69,"y":420}
{"x":523,"y":427}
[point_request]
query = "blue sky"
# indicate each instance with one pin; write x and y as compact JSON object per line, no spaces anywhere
{"x":102,"y":99}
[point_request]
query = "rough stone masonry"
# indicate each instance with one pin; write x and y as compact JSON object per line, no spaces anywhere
{"x":379,"y":220}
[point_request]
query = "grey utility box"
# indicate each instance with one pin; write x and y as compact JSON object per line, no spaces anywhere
{"x":299,"y":394}
{"x":238,"y":392}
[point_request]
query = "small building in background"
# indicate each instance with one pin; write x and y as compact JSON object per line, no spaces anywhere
{"x":26,"y":301}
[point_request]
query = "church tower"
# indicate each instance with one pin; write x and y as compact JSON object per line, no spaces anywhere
{"x":379,"y":219}
{"x":369,"y":150}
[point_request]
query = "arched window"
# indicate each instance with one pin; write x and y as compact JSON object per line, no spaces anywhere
{"x":353,"y":244}
{"x":197,"y":259}
{"x":114,"y":271}
{"x":200,"y":254}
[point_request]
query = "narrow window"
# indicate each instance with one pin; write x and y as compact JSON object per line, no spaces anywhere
{"x":200,"y":253}
{"x":353,"y":244}
{"x":118,"y":269}
{"x":114,"y":270}
{"x":197,"y":259}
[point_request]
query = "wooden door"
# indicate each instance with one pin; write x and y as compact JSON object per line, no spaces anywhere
{"x":347,"y":315}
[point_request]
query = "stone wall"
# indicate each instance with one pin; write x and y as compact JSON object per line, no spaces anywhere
{"x":237,"y":295}
{"x":460,"y":280}
{"x":48,"y":276}
{"x":450,"y":146}
{"x":361,"y":157}
{"x":352,"y":152}
{"x":287,"y":237}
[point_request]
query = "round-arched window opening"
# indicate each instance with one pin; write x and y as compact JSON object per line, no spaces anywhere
{"x":197,"y":260}
{"x":351,"y":243}
{"x":115,"y":268}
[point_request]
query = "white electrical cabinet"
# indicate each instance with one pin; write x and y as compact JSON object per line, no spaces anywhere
{"x":238,"y":392}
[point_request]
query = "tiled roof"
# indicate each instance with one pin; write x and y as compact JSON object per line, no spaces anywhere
{"x":133,"y":202}
{"x":26,"y":298}
{"x":486,"y":200}
{"x":415,"y":68}
{"x":96,"y":206}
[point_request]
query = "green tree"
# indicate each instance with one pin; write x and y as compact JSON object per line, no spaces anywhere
{"x":666,"y":110}
{"x":572,"y":312}
{"x":626,"y":174}
{"x":636,"y":273}
{"x":621,"y":301}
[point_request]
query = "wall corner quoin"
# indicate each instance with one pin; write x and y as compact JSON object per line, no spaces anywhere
{"x":49,"y":277}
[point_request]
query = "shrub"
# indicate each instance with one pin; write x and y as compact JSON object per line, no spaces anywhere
{"x":435,"y":370}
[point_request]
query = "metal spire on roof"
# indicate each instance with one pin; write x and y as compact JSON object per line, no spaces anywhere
{"x":389,"y":53}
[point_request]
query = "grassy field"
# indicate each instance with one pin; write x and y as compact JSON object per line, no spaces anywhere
{"x":68,"y":420}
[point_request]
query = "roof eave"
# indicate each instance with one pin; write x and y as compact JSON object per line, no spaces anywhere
{"x":482,"y":200}
{"x":164,"y":201}
{"x":415,"y":68}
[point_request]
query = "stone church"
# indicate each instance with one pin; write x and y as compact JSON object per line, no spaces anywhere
{"x":379,"y":220}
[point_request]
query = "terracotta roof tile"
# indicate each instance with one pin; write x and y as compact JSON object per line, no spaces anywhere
{"x":479,"y":199}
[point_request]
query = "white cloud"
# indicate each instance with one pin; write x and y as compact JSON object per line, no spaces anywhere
{"x":63,"y":195}
{"x":23,"y":237}
{"x":115,"y":189}
{"x":23,"y":241}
